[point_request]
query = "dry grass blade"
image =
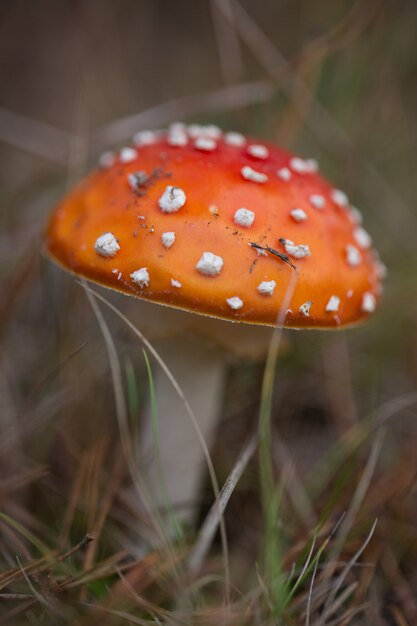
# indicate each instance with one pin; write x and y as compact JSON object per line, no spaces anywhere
{"x":211,"y":523}
{"x":346,"y":618}
{"x":121,"y":412}
{"x":403,"y":587}
{"x":326,"y":129}
{"x":34,"y":136}
{"x":349,"y":28}
{"x":24,"y":532}
{"x":189,"y":411}
{"x":53,"y":144}
{"x":310,"y":594}
{"x":351,"y":441}
{"x":228,"y":44}
{"x":40,"y":566}
{"x":128,"y":617}
{"x":102,"y":570}
{"x":327,"y":610}
{"x":24,"y":478}
{"x":16,"y":596}
{"x":151,"y":608}
{"x":294,"y":485}
{"x":220,"y":100}
{"x":21,"y":608}
{"x":39,"y":597}
{"x":106,"y":502}
{"x":73,"y":501}
{"x":50,"y":376}
{"x":351,"y":514}
{"x":341,"y":599}
{"x":305,"y":567}
{"x":6,"y":578}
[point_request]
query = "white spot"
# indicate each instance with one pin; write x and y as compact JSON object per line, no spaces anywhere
{"x":237,"y":140}
{"x":381,"y":269}
{"x":284,"y":174}
{"x":175,"y":283}
{"x":356,"y":215}
{"x":317,"y":201}
{"x":235,"y":303}
{"x":298,"y":165}
{"x":137,"y":179}
{"x":141,"y":217}
{"x":353,"y":256}
{"x":177,"y":137}
{"x":172,"y":199}
{"x":267,"y":287}
{"x":258,"y":151}
{"x":145,"y":138}
{"x":312,"y":166}
{"x":339,"y":197}
{"x":305,"y":308}
{"x":127,"y":154}
{"x":349,"y":293}
{"x":115,"y":271}
{"x":210,"y":264}
{"x":244,"y":217}
{"x":106,"y":159}
{"x":106,"y":245}
{"x":298,"y":215}
{"x":140,"y":277}
{"x":368,"y":302}
{"x":249,"y":173}
{"x":210,"y":130}
{"x":119,"y":276}
{"x":197,"y":130}
{"x":297,"y":251}
{"x":214,"y":210}
{"x":333,"y":304}
{"x":206,"y":144}
{"x":194,"y":130}
{"x":168,"y":239}
{"x":362,"y":238}
{"x":303,"y":166}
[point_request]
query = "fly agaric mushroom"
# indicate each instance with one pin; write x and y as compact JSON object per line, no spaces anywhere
{"x":215,"y":224}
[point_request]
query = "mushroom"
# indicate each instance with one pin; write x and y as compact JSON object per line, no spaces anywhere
{"x":214,"y":225}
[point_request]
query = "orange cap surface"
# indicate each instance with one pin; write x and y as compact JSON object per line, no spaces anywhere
{"x":218,"y":224}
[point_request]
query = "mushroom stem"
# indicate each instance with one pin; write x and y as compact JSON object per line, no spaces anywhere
{"x":171,"y":456}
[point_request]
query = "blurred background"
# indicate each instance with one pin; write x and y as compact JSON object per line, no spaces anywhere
{"x":335,"y":80}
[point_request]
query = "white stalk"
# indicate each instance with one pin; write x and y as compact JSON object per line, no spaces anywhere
{"x":170,"y":454}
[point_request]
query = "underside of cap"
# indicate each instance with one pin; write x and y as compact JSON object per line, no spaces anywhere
{"x":223,"y":226}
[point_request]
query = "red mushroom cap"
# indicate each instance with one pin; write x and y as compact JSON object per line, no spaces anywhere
{"x":218,"y":224}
